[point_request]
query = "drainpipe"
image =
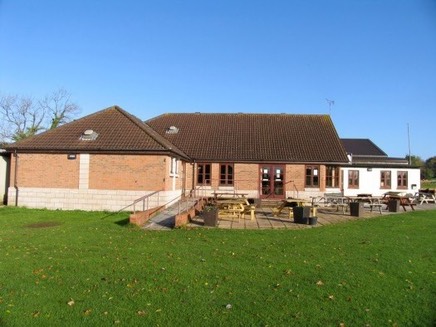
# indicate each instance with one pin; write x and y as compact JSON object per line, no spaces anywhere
{"x":193,"y":177}
{"x":15,"y":178}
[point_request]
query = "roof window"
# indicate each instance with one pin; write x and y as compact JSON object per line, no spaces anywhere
{"x":172,"y":130}
{"x":88,"y":135}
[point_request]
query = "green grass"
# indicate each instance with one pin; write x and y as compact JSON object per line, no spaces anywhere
{"x":75,"y":268}
{"x":431,"y":184}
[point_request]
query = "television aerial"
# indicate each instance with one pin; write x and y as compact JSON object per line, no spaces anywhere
{"x":330,"y":103}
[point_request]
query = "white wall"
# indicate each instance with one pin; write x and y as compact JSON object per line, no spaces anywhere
{"x":3,"y":177}
{"x":90,"y":200}
{"x":369,"y":181}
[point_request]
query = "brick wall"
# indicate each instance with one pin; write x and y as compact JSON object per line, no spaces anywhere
{"x":90,"y":182}
{"x":45,"y":170}
{"x":247,"y":176}
{"x":127,"y":172}
{"x":296,"y":174}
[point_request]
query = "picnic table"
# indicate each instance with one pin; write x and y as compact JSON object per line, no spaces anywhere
{"x":403,"y":201}
{"x":336,"y":199}
{"x":230,"y":209}
{"x":235,"y":208}
{"x":289,"y":203}
{"x":426,"y":196}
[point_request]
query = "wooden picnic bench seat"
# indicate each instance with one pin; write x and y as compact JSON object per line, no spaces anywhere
{"x":376,"y":203}
{"x":336,"y":199}
{"x":405,"y":201}
{"x":249,"y":209}
{"x":230,"y":213}
{"x":426,"y":195}
{"x":289,"y":203}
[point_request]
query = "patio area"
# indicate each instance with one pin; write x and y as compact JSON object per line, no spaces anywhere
{"x":264,"y":218}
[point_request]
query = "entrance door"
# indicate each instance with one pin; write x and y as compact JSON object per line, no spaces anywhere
{"x":272,"y":178}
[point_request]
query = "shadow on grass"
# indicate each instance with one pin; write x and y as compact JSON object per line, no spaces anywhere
{"x":123,"y":222}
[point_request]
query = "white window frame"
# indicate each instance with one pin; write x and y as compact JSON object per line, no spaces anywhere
{"x":174,"y":167}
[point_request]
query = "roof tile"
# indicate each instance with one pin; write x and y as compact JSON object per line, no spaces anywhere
{"x":117,"y":130}
{"x":253,"y":137}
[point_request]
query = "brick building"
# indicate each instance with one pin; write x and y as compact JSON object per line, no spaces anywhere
{"x":108,"y":159}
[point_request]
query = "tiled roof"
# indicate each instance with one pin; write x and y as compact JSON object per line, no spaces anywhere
{"x":253,"y":137}
{"x":362,"y":147}
{"x":117,"y":130}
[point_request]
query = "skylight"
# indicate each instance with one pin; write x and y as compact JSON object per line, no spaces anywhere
{"x":88,"y":135}
{"x":172,"y":130}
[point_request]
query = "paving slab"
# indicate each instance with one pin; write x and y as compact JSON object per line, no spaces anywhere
{"x":264,"y":219}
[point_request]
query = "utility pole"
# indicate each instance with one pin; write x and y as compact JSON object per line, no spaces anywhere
{"x":408,"y":141}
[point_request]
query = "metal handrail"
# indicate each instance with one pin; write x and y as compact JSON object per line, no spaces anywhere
{"x":144,"y":199}
{"x":146,"y":202}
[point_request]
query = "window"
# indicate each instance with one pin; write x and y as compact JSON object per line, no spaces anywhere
{"x":353,"y":179}
{"x":312,"y":176}
{"x":203,"y":174}
{"x":332,"y":176}
{"x":174,"y":169}
{"x":385,"y":179}
{"x":226,"y":174}
{"x":402,"y":179}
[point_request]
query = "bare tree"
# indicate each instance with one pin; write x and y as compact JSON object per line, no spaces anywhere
{"x":22,"y":117}
{"x":59,"y":108}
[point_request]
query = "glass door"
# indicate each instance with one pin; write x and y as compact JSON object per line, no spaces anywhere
{"x":272,"y":181}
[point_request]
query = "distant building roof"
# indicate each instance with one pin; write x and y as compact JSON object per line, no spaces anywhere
{"x":252,"y":137}
{"x":365,"y":153}
{"x":362,"y":147}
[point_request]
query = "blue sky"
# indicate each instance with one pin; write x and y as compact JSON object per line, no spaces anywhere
{"x":376,"y":59}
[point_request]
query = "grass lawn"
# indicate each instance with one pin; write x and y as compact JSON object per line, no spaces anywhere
{"x":428,"y":184}
{"x":75,"y":268}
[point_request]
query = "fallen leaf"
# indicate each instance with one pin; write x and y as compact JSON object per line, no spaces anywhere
{"x":71,"y":302}
{"x":319,"y":283}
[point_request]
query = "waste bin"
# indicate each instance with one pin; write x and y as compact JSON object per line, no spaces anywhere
{"x":393,"y":205}
{"x":210,"y":216}
{"x":301,"y":214}
{"x":356,"y":209}
{"x":313,"y":220}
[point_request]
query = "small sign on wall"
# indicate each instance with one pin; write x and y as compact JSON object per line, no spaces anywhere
{"x":71,"y":156}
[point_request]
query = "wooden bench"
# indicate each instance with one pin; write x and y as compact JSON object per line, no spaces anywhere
{"x":249,"y":209}
{"x":289,"y":203}
{"x":337,"y":200}
{"x":230,"y":213}
{"x":426,"y":195}
{"x":404,"y":201}
{"x":376,"y":203}
{"x":231,"y":208}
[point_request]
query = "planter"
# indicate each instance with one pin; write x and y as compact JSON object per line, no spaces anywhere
{"x":313,"y":220}
{"x":210,"y":216}
{"x":301,"y":214}
{"x":356,"y":209}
